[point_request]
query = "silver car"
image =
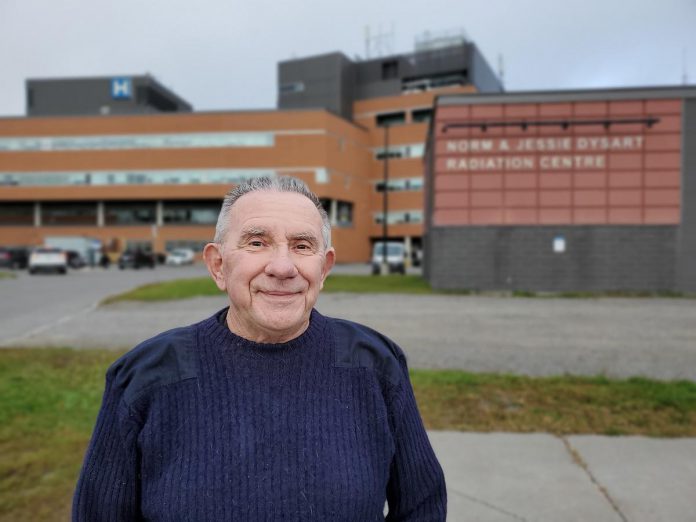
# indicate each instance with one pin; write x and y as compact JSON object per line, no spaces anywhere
{"x":47,"y":259}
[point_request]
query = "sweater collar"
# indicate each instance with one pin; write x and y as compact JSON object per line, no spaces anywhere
{"x":219,"y":333}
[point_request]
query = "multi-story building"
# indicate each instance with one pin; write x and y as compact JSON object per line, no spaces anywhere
{"x":587,"y":190}
{"x":125,"y":162}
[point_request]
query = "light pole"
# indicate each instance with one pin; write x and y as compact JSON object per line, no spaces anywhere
{"x":385,"y":201}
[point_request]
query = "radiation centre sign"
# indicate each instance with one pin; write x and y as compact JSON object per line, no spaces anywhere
{"x":579,"y":152}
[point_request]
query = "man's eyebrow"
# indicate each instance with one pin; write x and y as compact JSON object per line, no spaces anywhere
{"x":305,"y":236}
{"x":251,"y":232}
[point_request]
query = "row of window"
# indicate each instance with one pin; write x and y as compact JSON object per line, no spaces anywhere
{"x":399,"y":217}
{"x":137,"y":213}
{"x":401,"y":184}
{"x":143,"y":177}
{"x":411,"y":150}
{"x":139,"y":141}
{"x":112,"y":213}
{"x":399,"y":117}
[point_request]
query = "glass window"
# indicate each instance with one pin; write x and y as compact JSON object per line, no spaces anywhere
{"x":412,"y":150}
{"x":399,"y":184}
{"x":121,"y":213}
{"x":400,"y":217}
{"x":145,"y":177}
{"x":194,"y":244}
{"x":61,"y":214}
{"x":344,"y":214}
{"x":421,"y":115}
{"x":139,"y":141}
{"x":134,"y":245}
{"x":391,"y":118}
{"x":188,"y":213}
{"x":291,"y":87}
{"x":390,"y":69}
{"x":16,"y":213}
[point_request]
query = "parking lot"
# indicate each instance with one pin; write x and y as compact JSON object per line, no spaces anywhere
{"x":624,"y":337}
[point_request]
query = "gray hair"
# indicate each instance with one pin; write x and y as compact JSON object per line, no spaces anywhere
{"x":279,"y":184}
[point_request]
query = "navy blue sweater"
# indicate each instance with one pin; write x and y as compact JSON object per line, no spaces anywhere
{"x":198,"y":424}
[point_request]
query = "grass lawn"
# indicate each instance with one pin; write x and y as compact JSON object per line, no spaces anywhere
{"x":49,"y":400}
{"x":204,"y":286}
{"x":391,"y":284}
{"x":7,"y":275}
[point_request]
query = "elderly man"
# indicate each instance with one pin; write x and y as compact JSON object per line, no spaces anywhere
{"x":267,"y":410}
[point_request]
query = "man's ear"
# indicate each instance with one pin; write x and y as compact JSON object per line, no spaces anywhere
{"x":212,"y":255}
{"x":329,"y":260}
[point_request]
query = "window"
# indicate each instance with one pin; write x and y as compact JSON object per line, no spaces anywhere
{"x":187,"y":213}
{"x":413,"y":150}
{"x":288,"y":88}
{"x":194,"y":244}
{"x":344,"y":214}
{"x":390,"y":70}
{"x":421,"y":115}
{"x":399,"y":184}
{"x":144,"y":177}
{"x":400,"y":217}
{"x":391,"y":118}
{"x":139,"y":141}
{"x":16,"y":213}
{"x":118,"y":213}
{"x":133,"y":245}
{"x":60,"y":214}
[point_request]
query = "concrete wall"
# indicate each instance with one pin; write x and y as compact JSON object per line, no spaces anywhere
{"x":324,"y":82}
{"x":597,"y":258}
{"x":686,"y":242}
{"x":92,"y":96}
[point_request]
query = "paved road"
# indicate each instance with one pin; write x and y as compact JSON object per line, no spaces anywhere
{"x":534,"y":336}
{"x":37,"y":303}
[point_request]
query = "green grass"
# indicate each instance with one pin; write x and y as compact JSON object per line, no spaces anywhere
{"x":204,"y":286}
{"x":49,"y":399}
{"x":563,"y":405}
{"x":7,"y":275}
{"x":392,"y":284}
{"x":48,"y":403}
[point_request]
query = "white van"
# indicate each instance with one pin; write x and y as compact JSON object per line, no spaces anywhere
{"x":396,"y":257}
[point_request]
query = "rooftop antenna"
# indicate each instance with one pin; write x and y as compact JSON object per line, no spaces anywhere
{"x":380,"y":43}
{"x":501,"y":68}
{"x":685,"y":73}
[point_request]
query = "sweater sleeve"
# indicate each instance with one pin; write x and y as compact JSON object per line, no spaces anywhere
{"x":416,"y":490}
{"x":108,"y":487}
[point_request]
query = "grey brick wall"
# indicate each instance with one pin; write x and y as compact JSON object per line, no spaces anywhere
{"x":686,"y":245}
{"x":597,"y":258}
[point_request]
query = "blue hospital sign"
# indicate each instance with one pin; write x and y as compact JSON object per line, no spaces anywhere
{"x":121,"y":88}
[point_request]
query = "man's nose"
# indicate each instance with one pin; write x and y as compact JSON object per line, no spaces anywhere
{"x":281,"y":264}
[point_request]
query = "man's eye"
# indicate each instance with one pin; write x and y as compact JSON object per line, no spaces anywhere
{"x":256,"y":243}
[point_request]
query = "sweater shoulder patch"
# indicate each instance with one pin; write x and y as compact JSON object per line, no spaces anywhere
{"x":164,"y":359}
{"x":358,"y":346}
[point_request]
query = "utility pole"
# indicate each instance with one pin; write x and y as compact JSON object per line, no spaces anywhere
{"x":385,"y":202}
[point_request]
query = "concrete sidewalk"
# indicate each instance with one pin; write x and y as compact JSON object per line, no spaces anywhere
{"x":502,"y":477}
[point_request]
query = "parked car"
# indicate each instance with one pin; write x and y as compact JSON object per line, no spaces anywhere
{"x":181,"y":256}
{"x":14,"y":257}
{"x":75,"y":260}
{"x":396,"y":257}
{"x":136,"y":259}
{"x":48,"y":259}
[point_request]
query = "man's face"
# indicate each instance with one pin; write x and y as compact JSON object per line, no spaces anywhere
{"x":272,"y":265}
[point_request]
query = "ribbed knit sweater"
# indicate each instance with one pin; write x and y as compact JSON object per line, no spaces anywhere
{"x":198,"y":424}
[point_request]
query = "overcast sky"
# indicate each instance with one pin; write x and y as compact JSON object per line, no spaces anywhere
{"x":222,"y":55}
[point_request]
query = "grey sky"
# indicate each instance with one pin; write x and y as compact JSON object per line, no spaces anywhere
{"x":222,"y":55}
